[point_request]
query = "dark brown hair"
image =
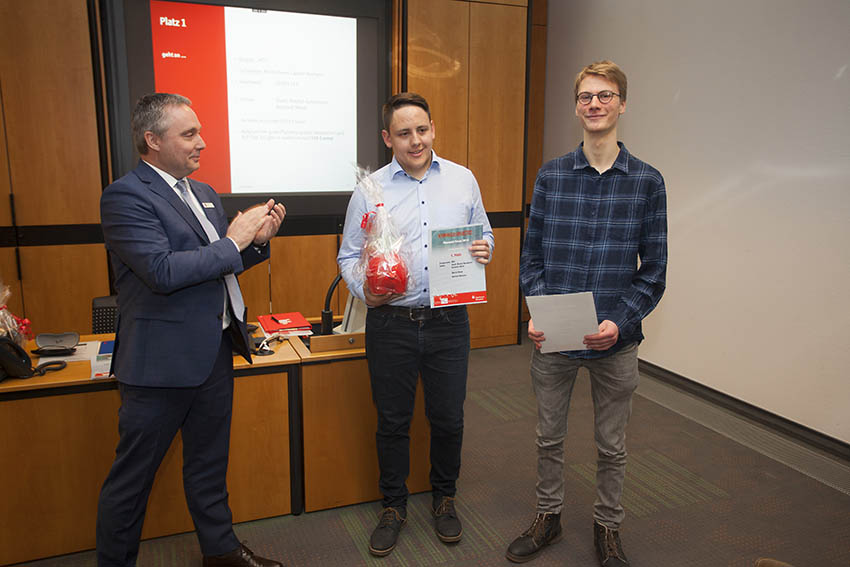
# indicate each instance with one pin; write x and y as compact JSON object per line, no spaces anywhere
{"x":403,"y":99}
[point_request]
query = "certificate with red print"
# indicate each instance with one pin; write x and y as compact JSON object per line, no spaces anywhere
{"x":456,"y":278}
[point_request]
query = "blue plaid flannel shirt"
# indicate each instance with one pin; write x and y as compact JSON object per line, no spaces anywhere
{"x":586,"y":232}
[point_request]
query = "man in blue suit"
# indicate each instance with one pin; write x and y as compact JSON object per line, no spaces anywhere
{"x":181,"y":315}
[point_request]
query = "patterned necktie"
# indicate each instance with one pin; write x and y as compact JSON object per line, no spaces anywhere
{"x":230,"y":282}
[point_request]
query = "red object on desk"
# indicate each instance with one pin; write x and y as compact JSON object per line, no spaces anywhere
{"x":283,"y":322}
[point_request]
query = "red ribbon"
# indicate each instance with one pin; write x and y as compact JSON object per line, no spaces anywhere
{"x":24,"y":325}
{"x":365,"y":222}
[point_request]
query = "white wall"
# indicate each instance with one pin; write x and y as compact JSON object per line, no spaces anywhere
{"x":744,"y":106}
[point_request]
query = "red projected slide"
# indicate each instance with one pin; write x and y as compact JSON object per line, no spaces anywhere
{"x":189,"y":57}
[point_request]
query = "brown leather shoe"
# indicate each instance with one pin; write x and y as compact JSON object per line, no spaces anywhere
{"x":241,"y":557}
{"x":609,"y":549}
{"x":764,"y":562}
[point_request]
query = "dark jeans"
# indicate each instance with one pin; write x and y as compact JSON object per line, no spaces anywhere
{"x":398,"y":351}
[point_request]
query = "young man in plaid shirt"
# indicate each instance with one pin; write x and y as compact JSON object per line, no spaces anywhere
{"x":598,"y":223}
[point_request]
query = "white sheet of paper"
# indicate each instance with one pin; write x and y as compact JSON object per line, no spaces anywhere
{"x":564,"y":319}
{"x":100,"y":363}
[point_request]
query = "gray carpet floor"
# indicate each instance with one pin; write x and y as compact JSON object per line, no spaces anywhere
{"x":693,"y":497}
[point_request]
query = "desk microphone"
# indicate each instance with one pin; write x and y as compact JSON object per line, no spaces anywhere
{"x":327,"y":312}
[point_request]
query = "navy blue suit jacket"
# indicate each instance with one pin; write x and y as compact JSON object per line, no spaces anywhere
{"x":169,"y":280}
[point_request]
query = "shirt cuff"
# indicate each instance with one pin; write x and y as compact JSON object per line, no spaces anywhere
{"x":234,"y":243}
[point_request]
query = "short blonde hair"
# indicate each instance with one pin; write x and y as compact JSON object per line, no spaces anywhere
{"x":607,"y":69}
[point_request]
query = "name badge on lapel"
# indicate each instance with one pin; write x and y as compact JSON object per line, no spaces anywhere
{"x":208,"y":205}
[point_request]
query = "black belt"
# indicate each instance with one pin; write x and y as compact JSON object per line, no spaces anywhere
{"x":415,"y":313}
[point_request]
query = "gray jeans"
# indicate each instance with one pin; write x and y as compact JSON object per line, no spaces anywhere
{"x":613,"y":380}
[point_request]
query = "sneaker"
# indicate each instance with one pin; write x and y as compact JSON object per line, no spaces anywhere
{"x":446,"y":522}
{"x":545,"y":530}
{"x":384,"y":537}
{"x":609,"y":550}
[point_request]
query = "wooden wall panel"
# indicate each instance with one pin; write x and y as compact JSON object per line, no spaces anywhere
{"x":256,"y":289}
{"x":539,"y":12}
{"x":302,"y":269}
{"x":63,"y":280}
{"x":438,"y":69}
{"x":258,"y":470}
{"x":497,"y":103}
{"x":9,"y":277}
{"x":5,"y":185}
{"x":48,"y":100}
{"x":503,"y":2}
{"x":536,"y":92}
{"x":395,"y":63}
{"x":57,"y":434}
{"x":340,"y":459}
{"x":495,"y":323}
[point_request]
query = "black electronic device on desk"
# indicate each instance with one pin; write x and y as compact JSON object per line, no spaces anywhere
{"x":56,"y":344}
{"x":16,"y":363}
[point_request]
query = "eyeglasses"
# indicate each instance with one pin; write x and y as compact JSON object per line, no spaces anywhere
{"x":604,"y":97}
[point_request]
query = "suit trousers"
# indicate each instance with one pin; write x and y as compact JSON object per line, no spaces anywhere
{"x":398,"y":351}
{"x":148,"y":421}
{"x":613,"y":380}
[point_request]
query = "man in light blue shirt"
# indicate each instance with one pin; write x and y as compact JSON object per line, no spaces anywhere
{"x":404,"y":337}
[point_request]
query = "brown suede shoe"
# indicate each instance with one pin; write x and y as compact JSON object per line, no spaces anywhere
{"x":385,"y":534}
{"x":240,"y":557}
{"x":446,"y":523}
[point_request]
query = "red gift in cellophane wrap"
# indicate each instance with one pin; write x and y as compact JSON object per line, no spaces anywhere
{"x":16,"y":329}
{"x":386,"y":272}
{"x":382,"y":260}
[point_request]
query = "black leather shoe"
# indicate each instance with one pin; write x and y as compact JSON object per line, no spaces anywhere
{"x":241,"y":557}
{"x":446,"y":522}
{"x":545,"y":530}
{"x":385,"y":536}
{"x":609,"y":550}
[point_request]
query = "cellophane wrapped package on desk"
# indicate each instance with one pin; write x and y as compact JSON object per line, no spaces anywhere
{"x":12,"y":326}
{"x":381,"y":260}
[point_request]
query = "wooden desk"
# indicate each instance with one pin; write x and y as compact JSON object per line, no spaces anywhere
{"x":339,"y":423}
{"x":58,"y":435}
{"x":303,"y":437}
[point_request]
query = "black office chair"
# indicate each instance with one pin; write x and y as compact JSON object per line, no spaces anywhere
{"x":104,"y":313}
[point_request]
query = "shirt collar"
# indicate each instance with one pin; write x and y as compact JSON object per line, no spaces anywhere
{"x":621,"y":163}
{"x":167,"y":177}
{"x":395,"y":167}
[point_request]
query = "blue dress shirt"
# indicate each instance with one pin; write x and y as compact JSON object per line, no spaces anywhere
{"x":447,"y":196}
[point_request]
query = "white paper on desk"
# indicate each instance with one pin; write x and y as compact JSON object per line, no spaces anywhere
{"x":100,"y":365}
{"x":564,"y":319}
